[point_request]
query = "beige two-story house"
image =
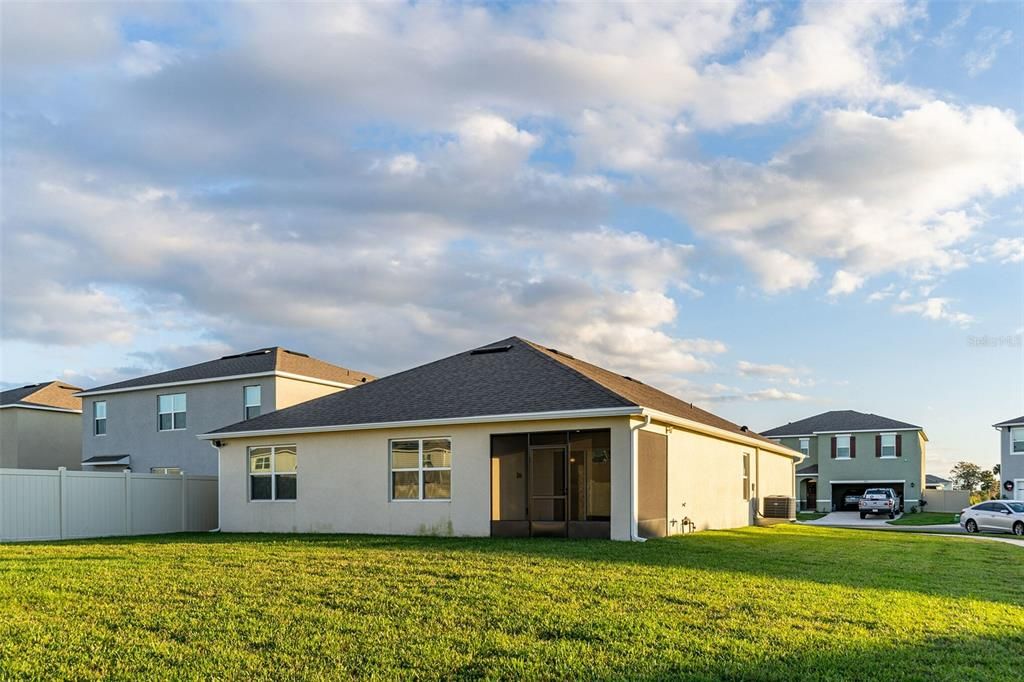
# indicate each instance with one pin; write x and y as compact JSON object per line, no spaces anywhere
{"x":41,"y":426}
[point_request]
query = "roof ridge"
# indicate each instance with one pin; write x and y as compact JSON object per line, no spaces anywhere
{"x":549,"y":355}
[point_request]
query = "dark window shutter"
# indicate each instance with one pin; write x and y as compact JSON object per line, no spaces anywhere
{"x":899,"y":445}
{"x":878,"y":446}
{"x":853,"y":446}
{"x":833,"y":447}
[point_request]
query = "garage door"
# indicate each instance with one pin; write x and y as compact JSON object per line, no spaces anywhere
{"x":840,"y":492}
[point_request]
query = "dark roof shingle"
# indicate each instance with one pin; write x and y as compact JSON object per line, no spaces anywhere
{"x":836,"y":421}
{"x":1010,"y":422}
{"x":512,"y":376}
{"x":251,"y":362}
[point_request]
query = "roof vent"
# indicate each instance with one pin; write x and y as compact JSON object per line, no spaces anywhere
{"x":295,"y":352}
{"x":490,"y":349}
{"x":558,"y":352}
{"x":743,"y":428}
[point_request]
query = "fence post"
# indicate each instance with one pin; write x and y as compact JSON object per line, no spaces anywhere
{"x":62,"y":509}
{"x":127,"y":502}
{"x":184,"y":502}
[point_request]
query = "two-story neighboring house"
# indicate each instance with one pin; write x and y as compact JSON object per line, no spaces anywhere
{"x":848,"y":452}
{"x":149,"y":424}
{"x":41,"y":426}
{"x":1011,"y":461}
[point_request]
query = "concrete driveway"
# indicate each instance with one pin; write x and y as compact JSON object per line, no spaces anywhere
{"x":847,"y":518}
{"x":853,"y":520}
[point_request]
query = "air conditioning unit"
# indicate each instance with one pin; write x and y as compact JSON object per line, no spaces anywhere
{"x":779,"y":507}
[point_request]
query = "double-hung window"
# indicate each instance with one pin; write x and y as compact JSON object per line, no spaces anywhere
{"x":888,"y":445}
{"x":99,"y":417}
{"x":843,"y":447}
{"x":421,"y":469}
{"x":252,"y":396}
{"x":171,"y":412}
{"x":805,"y":446}
{"x":1017,"y":441}
{"x":273,"y":472}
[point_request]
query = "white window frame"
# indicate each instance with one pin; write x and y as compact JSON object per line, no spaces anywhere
{"x":881,"y":453}
{"x":419,"y":468}
{"x":272,"y":472}
{"x":805,"y":446}
{"x":166,"y":471}
{"x":159,"y":413}
{"x":849,"y":440}
{"x":1014,"y":431}
{"x":96,"y":418}
{"x":246,"y":404}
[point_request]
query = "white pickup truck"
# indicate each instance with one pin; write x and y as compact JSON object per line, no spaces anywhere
{"x":879,"y":501}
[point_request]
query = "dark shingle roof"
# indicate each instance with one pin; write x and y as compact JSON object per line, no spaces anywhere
{"x":251,"y":362}
{"x":1010,"y":422}
{"x":932,"y":478}
{"x":837,"y":420}
{"x":46,"y":394}
{"x":806,"y":471}
{"x":512,"y":376}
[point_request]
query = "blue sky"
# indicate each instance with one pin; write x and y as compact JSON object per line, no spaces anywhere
{"x":770,"y":209}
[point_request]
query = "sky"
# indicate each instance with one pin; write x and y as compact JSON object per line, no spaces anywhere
{"x":769,"y":209}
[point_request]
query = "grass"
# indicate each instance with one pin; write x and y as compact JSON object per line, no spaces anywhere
{"x":924,"y":519}
{"x":780,"y":603}
{"x":809,"y":516}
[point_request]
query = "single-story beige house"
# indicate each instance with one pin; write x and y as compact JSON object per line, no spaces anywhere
{"x":510,"y":439}
{"x":41,"y":426}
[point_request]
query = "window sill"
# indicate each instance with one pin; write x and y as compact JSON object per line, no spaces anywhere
{"x":169,"y":430}
{"x":889,"y":457}
{"x":414,"y":501}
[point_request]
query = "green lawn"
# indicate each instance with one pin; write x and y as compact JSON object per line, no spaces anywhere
{"x":781,"y":603}
{"x":809,"y":516}
{"x":924,"y":519}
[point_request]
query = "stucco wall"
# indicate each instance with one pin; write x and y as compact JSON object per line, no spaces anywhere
{"x":909,"y":467}
{"x":288,"y":392}
{"x":9,"y":438}
{"x":343,"y":482}
{"x":706,"y":480}
{"x":1011,"y":466}
{"x":40,"y":439}
{"x":132,"y":424}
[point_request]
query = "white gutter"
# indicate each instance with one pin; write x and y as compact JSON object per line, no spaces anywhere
{"x":233,"y":377}
{"x":634,"y":479}
{"x":422,"y":423}
{"x":45,"y":408}
{"x":722,"y":434}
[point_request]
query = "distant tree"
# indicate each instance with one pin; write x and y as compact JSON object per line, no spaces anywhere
{"x":967,"y":476}
{"x":989,"y":485}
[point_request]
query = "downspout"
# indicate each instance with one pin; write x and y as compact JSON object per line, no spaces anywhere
{"x":213,"y":443}
{"x":634,"y":480}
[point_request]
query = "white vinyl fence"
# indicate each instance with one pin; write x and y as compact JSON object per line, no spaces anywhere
{"x":38,"y":504}
{"x":946,"y":500}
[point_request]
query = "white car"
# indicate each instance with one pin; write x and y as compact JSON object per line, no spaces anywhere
{"x":995,"y":515}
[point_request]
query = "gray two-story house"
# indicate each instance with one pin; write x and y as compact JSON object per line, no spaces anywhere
{"x":1011,"y":460}
{"x":149,"y":424}
{"x":848,"y":452}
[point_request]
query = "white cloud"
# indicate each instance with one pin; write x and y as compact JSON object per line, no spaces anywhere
{"x":989,"y":41}
{"x":1008,"y":249}
{"x":844,"y":282}
{"x":935,"y":308}
{"x":752,"y":369}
